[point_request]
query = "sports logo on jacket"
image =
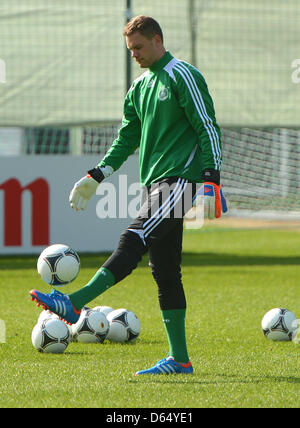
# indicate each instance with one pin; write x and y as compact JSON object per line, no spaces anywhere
{"x":163,"y":94}
{"x":151,"y":83}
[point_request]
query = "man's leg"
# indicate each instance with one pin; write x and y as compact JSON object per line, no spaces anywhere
{"x":165,"y":260}
{"x":120,"y":264}
{"x":164,"y":235}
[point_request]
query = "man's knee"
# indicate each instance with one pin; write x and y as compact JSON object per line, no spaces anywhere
{"x":126,"y":256}
{"x":165,"y":271}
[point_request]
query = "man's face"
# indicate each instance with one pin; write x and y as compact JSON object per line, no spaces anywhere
{"x":145,"y":51}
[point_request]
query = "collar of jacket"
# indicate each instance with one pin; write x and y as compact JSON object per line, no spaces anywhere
{"x":162,"y":62}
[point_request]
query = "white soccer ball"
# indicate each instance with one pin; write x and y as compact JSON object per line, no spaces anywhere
{"x":46,"y":315}
{"x":105,"y":309}
{"x":92,"y":327}
{"x":51,"y":336}
{"x":279,"y":325}
{"x":58,"y":265}
{"x":124,"y":326}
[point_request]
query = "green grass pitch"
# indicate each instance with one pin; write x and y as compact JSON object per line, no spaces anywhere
{"x":231,"y":277}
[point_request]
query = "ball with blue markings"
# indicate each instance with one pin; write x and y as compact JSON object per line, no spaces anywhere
{"x":58,"y":265}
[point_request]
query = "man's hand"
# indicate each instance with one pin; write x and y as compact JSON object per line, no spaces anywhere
{"x":82,"y":192}
{"x":84,"y":189}
{"x":211,"y":195}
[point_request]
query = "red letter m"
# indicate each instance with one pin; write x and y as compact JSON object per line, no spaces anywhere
{"x":13,"y":211}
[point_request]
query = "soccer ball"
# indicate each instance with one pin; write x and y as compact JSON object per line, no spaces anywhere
{"x":279,"y":325}
{"x":92,"y":327}
{"x":58,"y":265}
{"x":124,"y":326}
{"x":104,"y":309}
{"x":46,"y":315}
{"x":51,"y":336}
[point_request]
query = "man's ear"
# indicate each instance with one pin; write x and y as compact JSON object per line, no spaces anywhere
{"x":157,"y":40}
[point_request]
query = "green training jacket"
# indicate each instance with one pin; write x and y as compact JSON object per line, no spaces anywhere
{"x":169,"y":114}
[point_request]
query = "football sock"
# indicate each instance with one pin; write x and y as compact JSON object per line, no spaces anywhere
{"x":101,"y":281}
{"x":174,"y":321}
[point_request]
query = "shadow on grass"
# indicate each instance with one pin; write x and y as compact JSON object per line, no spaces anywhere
{"x":188,"y":259}
{"x":221,"y":379}
{"x":219,"y":259}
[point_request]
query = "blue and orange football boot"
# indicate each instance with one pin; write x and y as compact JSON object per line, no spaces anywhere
{"x":58,"y":303}
{"x":167,"y":366}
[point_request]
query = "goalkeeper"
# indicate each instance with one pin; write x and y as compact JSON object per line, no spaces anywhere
{"x":169,"y":115}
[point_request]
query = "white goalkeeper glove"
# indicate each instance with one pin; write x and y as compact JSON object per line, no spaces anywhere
{"x":82,"y":192}
{"x":210,"y":195}
{"x":86,"y":187}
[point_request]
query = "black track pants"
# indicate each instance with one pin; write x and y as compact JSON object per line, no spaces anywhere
{"x":157,"y":229}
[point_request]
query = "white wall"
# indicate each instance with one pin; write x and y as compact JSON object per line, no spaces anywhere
{"x":54,"y":177}
{"x":11,"y":141}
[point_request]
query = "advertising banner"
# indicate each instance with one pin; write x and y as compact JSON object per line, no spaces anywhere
{"x":35,"y":210}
